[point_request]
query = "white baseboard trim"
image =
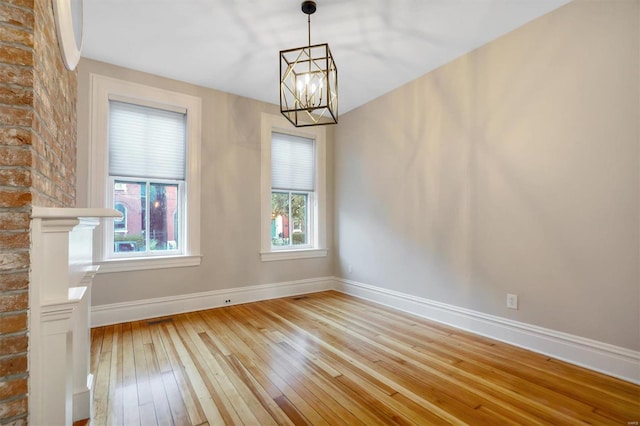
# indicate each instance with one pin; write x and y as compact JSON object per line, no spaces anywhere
{"x":603,"y":357}
{"x":149,"y":308}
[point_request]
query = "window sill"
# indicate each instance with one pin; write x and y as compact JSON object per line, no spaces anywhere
{"x":271,"y":256}
{"x":141,"y":264}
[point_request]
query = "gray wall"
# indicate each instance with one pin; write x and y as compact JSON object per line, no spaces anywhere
{"x":512,"y":169}
{"x":230,"y":229}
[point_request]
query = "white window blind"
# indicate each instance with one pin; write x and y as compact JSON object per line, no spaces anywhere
{"x":292,"y":162}
{"x":146,"y":142}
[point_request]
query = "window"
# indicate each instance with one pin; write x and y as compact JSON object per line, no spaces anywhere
{"x":147,"y":158}
{"x":293,"y":190}
{"x":145,"y":163}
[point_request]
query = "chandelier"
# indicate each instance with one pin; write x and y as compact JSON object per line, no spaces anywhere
{"x":309,"y":81}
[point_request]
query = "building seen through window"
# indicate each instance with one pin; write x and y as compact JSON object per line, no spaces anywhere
{"x":150,"y":222}
{"x":289,"y":218}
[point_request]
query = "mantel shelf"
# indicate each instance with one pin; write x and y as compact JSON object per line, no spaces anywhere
{"x":72,"y":213}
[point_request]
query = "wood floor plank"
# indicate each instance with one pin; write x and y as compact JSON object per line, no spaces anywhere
{"x":329,"y":358}
{"x":160,"y":402}
{"x":347,"y":396}
{"x":362,"y":365}
{"x":329,"y":405}
{"x":176,"y":404}
{"x":146,"y":408}
{"x":172,"y":394}
{"x":259,"y":374}
{"x":131,"y":414}
{"x":102,"y":373}
{"x":294,"y":392}
{"x":573,"y":406}
{"x":256,"y":388}
{"x":534,"y":378}
{"x":97,"y":337}
{"x":573,"y":409}
{"x":205,"y":399}
{"x":187,"y":392}
{"x":107,"y":340}
{"x":115,"y":401}
{"x":225,"y":383}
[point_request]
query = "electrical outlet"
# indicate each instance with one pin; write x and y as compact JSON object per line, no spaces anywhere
{"x":350,"y":268}
{"x":227,"y":301}
{"x":512,"y":301}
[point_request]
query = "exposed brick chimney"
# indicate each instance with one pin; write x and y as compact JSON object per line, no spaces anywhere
{"x":37,"y":167}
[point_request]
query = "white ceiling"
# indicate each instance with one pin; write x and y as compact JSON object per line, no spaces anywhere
{"x":233,"y":46}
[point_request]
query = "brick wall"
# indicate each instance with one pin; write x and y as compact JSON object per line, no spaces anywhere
{"x":54,"y":121}
{"x":37,"y":167}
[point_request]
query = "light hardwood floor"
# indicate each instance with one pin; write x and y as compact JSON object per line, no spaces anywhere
{"x":328,"y":358}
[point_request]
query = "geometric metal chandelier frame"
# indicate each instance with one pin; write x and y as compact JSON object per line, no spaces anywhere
{"x":309,"y":81}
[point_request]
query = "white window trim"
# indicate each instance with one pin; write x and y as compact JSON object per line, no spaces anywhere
{"x":269,"y":124}
{"x":102,"y":89}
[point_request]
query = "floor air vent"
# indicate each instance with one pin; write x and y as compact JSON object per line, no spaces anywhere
{"x":159,"y":321}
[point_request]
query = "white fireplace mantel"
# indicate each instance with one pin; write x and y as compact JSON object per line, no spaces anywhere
{"x":59,"y":298}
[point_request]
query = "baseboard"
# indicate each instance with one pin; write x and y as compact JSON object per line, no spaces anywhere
{"x":602,"y":357}
{"x":162,"y":306}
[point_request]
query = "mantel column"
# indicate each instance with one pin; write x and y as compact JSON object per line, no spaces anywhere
{"x":61,"y":271}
